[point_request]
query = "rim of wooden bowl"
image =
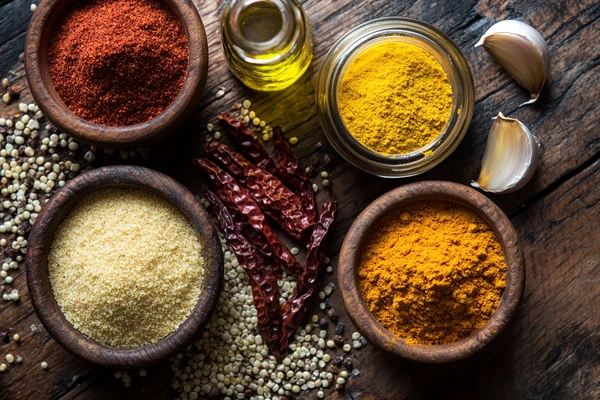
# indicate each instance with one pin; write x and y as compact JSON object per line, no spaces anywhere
{"x":373,"y":330}
{"x":42,"y":89}
{"x":42,"y":236}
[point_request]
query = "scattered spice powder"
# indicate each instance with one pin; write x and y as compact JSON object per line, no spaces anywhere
{"x":432,"y":273}
{"x":118,"y":62}
{"x":395,"y":98}
{"x":126,"y":267}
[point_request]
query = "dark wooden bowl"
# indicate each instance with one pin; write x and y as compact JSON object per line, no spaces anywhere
{"x":42,"y":236}
{"x":422,"y":191}
{"x":40,"y":31}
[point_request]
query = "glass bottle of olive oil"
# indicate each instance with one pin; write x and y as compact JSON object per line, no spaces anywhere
{"x":267,"y":43}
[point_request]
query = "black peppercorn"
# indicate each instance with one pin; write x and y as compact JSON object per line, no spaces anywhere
{"x":348,"y":362}
{"x":323,"y":323}
{"x":332,"y":314}
{"x":338,"y":339}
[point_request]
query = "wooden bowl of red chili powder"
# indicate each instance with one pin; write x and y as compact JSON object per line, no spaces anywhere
{"x":116,"y":73}
{"x":431,"y":272}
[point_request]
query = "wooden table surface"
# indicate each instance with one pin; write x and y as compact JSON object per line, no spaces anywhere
{"x":551,"y":351}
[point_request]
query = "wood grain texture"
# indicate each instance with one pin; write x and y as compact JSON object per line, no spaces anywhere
{"x":359,"y":232}
{"x":550,"y":352}
{"x":40,"y":242}
{"x":39,"y":34}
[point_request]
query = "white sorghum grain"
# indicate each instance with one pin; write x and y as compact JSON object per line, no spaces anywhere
{"x":109,"y":257}
{"x":44,"y":365}
{"x":233,"y":364}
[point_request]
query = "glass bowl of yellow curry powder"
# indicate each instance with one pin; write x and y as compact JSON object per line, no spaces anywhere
{"x":395,"y":96}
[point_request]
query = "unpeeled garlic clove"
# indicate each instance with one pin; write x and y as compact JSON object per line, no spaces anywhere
{"x":521,"y":51}
{"x":510,"y":157}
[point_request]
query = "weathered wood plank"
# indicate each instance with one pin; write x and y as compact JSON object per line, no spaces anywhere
{"x":14,"y":19}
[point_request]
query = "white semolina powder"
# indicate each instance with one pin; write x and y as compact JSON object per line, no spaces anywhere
{"x":126,"y":267}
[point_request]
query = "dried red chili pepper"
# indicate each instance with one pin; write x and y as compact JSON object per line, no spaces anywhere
{"x":248,"y":143}
{"x":265,"y":290}
{"x":292,"y":175}
{"x":236,"y":197}
{"x":308,"y":282}
{"x":276,"y":200}
{"x":259,"y":242}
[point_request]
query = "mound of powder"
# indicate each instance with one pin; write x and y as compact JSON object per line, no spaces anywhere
{"x":118,"y":62}
{"x":126,"y":267}
{"x":395,"y":98}
{"x":432,"y":272}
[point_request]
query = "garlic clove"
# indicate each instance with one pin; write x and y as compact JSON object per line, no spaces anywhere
{"x":521,"y":51}
{"x":510,"y":157}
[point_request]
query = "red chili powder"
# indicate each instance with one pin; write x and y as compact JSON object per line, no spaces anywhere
{"x":118,"y":62}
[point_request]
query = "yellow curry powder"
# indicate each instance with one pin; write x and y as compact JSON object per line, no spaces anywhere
{"x":432,"y":273}
{"x":395,"y":98}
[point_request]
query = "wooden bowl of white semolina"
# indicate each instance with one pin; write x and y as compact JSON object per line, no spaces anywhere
{"x":124,"y":266}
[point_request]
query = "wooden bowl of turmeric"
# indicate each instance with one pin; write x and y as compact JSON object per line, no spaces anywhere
{"x":431,"y":272}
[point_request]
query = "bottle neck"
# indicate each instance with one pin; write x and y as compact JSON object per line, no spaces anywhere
{"x":262,"y":27}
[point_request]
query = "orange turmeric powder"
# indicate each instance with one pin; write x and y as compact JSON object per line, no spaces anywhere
{"x":432,"y":273}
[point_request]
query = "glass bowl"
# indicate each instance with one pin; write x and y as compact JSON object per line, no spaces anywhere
{"x":404,"y":30}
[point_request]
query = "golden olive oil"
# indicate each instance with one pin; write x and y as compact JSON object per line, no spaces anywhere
{"x":260,"y":22}
{"x":267,"y":43}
